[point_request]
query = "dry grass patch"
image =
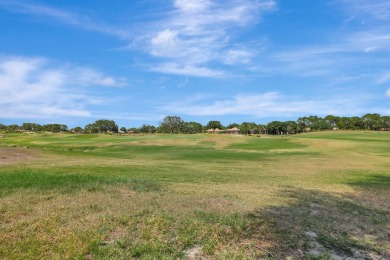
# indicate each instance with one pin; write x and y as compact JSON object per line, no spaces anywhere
{"x":10,"y":155}
{"x":103,"y":223}
{"x":221,"y":141}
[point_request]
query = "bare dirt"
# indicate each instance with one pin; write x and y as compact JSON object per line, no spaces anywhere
{"x":16,"y":155}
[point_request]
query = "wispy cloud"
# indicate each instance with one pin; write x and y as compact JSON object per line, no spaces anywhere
{"x":372,"y":40}
{"x":64,"y":16}
{"x":199,"y":32}
{"x":378,"y":9}
{"x":90,"y":77}
{"x":238,"y":56}
{"x":189,"y":6}
{"x":40,"y":88}
{"x":387,"y":92}
{"x":383,"y":78}
{"x":141,"y":117}
{"x":352,"y":52}
{"x":270,"y":104}
{"x":192,"y":36}
{"x":185,"y":70}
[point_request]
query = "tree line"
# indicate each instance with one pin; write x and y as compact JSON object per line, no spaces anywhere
{"x":176,"y":125}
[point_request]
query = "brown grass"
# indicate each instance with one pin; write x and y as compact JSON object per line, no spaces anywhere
{"x":18,"y":155}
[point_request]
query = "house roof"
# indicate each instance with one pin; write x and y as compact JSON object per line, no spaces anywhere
{"x":234,"y":129}
{"x":214,"y":130}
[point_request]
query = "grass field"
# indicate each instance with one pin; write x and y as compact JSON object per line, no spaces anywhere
{"x":310,"y":196}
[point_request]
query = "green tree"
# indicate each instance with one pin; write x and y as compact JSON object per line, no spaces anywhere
{"x":355,"y":123}
{"x":331,"y":121}
{"x":214,"y":125}
{"x":371,"y":121}
{"x":133,"y":130}
{"x":171,"y":125}
{"x":248,"y":128}
{"x":276,"y":128}
{"x":233,"y":125}
{"x":31,"y":127}
{"x":54,"y":128}
{"x":27,"y":127}
{"x":385,"y":121}
{"x":261,"y":129}
{"x":343,"y":123}
{"x":91,"y":129}
{"x":291,"y":127}
{"x":303,"y":124}
{"x":102,"y":126}
{"x":192,"y":128}
{"x":147,"y":129}
{"x":77,"y":129}
{"x":12,"y":128}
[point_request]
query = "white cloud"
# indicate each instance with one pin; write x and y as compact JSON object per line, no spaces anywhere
{"x":199,"y":33}
{"x":383,"y":78}
{"x":81,"y":21}
{"x":378,"y":9}
{"x":387,"y":93}
{"x":165,"y":44}
{"x":39,"y":88}
{"x":172,"y":68}
{"x":166,"y":37}
{"x":111,"y":81}
{"x":90,"y":77}
{"x":237,"y":56}
{"x":377,"y":39}
{"x":192,"y":5}
{"x":307,"y":61}
{"x":357,"y":52}
{"x":196,"y":34}
{"x":369,"y":49}
{"x":142,"y":117}
{"x":269,"y":104}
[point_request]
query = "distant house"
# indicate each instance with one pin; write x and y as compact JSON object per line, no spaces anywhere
{"x":214,"y":131}
{"x":233,"y":131}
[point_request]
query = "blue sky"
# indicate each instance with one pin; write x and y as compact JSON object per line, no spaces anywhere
{"x":137,"y":61}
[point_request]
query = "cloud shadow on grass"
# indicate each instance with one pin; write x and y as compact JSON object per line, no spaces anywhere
{"x":374,"y":181}
{"x":319,"y":225}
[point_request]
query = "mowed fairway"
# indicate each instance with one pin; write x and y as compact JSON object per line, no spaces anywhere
{"x":316,"y":195}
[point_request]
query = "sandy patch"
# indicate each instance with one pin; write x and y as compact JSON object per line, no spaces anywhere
{"x":16,"y":155}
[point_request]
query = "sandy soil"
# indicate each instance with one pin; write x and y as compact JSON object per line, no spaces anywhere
{"x":16,"y":155}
